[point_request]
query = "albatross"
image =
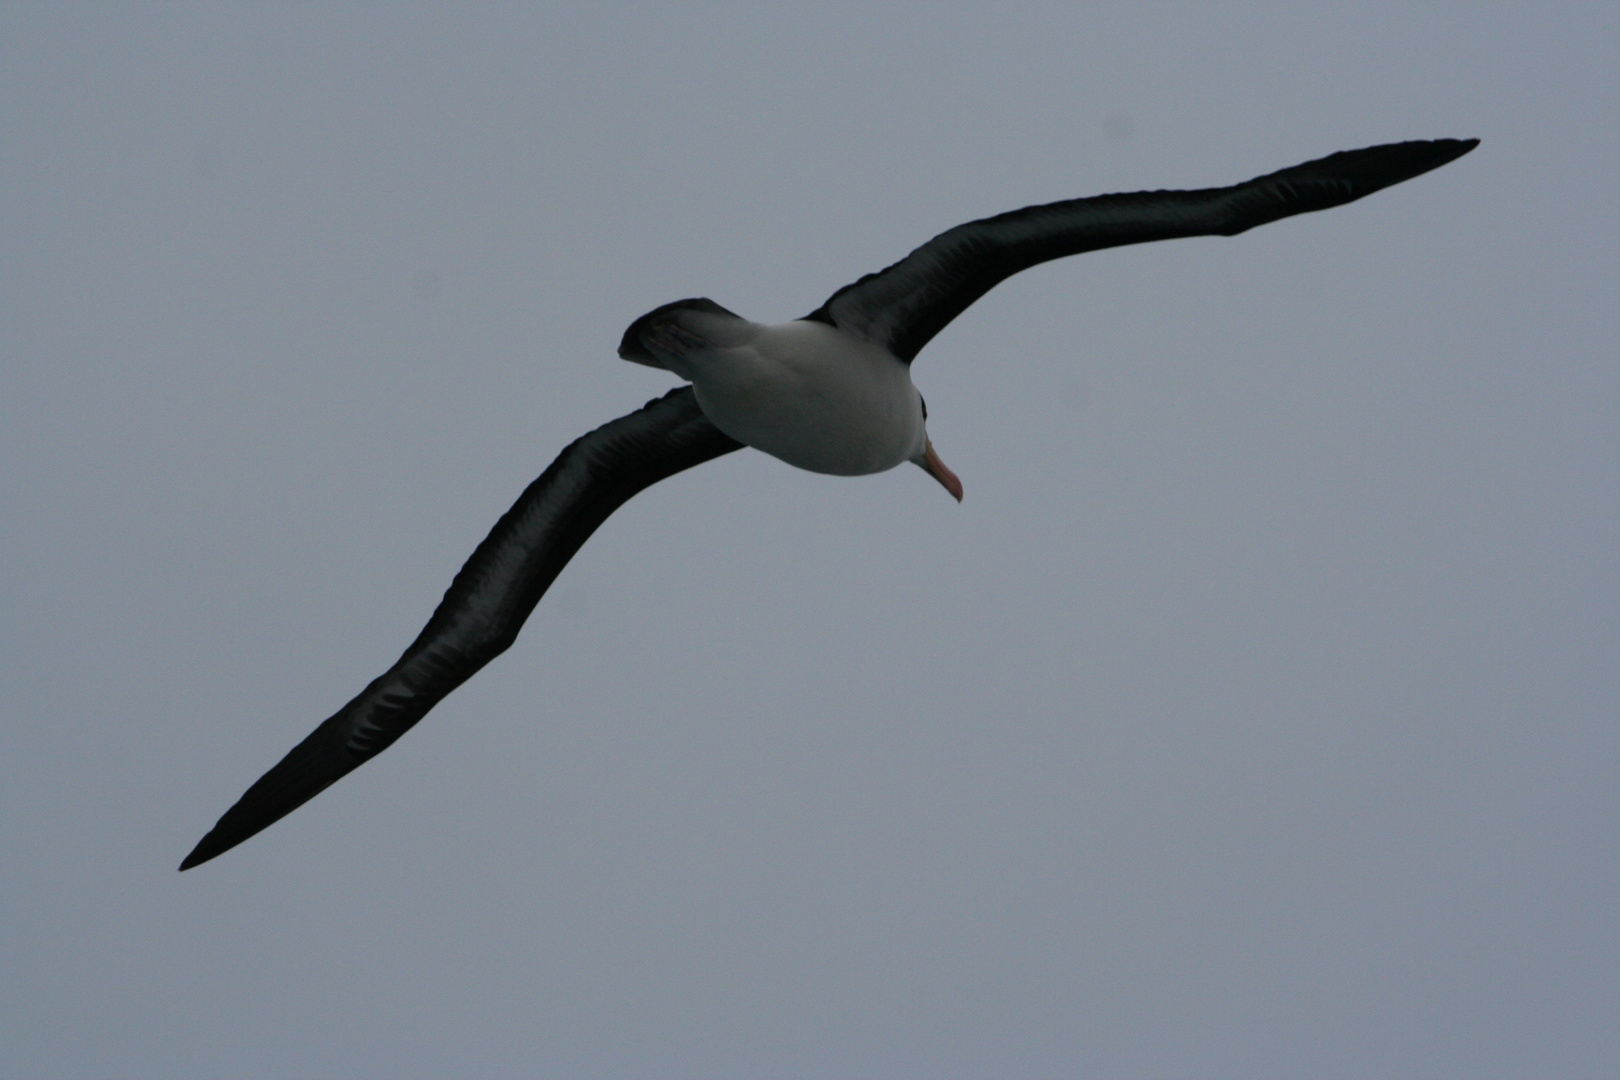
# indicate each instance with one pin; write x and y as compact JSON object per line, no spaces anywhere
{"x":830,"y":392}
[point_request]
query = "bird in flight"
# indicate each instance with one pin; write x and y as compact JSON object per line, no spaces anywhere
{"x":830,"y":392}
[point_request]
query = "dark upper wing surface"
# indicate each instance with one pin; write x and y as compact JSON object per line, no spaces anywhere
{"x":904,"y":306}
{"x":487,"y":602}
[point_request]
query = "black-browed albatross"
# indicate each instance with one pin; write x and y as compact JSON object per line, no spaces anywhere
{"x":830,"y":392}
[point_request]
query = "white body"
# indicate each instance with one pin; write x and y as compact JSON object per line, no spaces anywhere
{"x":805,"y":392}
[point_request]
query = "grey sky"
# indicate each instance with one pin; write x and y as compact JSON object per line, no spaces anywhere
{"x":1253,"y":716}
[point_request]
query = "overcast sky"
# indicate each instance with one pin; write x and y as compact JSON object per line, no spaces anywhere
{"x":1254,"y":716}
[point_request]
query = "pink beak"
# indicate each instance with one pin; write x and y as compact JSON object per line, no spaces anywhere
{"x":937,"y":469}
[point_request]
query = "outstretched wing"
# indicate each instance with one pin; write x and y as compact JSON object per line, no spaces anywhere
{"x":487,"y":602}
{"x":903,"y":307}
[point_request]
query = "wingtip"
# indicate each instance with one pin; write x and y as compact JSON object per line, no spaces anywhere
{"x":1357,"y":173}
{"x":199,"y":855}
{"x":1416,"y":157}
{"x":1462,"y":146}
{"x":1432,"y":154}
{"x":220,"y":839}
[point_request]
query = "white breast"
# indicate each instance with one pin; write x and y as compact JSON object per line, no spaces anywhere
{"x":814,"y":396}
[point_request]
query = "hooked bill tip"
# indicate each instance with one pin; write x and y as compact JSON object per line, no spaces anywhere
{"x":936,"y":468}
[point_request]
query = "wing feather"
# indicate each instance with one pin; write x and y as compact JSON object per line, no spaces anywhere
{"x":902,"y":307}
{"x":486,"y":604}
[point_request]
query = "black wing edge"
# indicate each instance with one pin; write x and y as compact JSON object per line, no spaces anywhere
{"x":903,"y":306}
{"x":486,"y":604}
